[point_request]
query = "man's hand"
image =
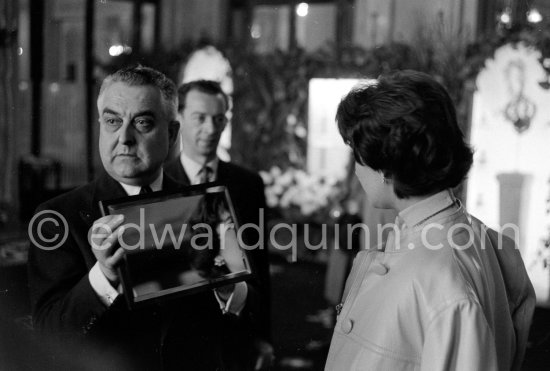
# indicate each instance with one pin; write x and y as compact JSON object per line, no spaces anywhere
{"x":104,"y":241}
{"x":264,"y":355}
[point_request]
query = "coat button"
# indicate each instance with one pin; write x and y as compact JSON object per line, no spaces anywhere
{"x":379,"y":269}
{"x":347,"y":326}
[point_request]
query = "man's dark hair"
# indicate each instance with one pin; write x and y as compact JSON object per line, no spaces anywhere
{"x":204,"y":86}
{"x":405,"y":126}
{"x":142,"y":76}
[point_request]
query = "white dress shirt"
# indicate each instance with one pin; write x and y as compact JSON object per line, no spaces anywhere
{"x":193,"y":169}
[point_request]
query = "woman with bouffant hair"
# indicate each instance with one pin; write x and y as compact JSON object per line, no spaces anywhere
{"x":444,"y":292}
{"x":408,"y":132}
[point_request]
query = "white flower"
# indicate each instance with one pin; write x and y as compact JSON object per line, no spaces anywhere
{"x":308,"y":208}
{"x":277,"y":189}
{"x":289,"y":197}
{"x":276,"y":171}
{"x":272,"y":200}
{"x":301,"y":177}
{"x":266,"y":177}
{"x":285,"y":179}
{"x":296,"y":188}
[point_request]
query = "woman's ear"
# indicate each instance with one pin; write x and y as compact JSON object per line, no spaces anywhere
{"x":386,"y":177}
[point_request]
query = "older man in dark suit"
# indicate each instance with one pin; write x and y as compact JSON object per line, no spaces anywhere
{"x":74,"y":286}
{"x":202,"y":113}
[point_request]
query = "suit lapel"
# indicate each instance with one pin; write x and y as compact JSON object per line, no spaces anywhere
{"x":169,"y":184}
{"x":223,"y":172}
{"x":176,"y":171}
{"x":103,"y":188}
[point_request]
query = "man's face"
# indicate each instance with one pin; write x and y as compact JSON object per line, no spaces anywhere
{"x":202,"y":122}
{"x":135,"y":133}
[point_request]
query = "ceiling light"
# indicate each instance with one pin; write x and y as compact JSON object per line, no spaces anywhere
{"x":302,"y":9}
{"x":534,"y":16}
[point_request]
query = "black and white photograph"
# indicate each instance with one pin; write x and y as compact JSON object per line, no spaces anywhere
{"x":282,"y":185}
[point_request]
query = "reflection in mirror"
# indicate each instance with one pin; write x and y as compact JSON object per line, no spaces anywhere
{"x":178,"y":243}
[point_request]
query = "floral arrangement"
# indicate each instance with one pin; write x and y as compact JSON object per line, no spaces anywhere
{"x":297,"y":194}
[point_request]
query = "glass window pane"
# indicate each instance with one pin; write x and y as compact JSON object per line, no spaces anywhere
{"x":23,"y":41}
{"x":113,"y":29}
{"x":315,"y":25}
{"x":63,"y":121}
{"x":147,"y":27}
{"x":64,"y":40}
{"x":270,"y":28}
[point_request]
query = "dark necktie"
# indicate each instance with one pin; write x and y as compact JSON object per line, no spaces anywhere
{"x":145,"y":190}
{"x":205,"y":174}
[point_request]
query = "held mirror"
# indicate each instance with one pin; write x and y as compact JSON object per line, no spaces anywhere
{"x":178,"y":243}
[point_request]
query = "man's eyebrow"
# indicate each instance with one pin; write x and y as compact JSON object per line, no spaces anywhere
{"x":142,"y":113}
{"x":109,"y":111}
{"x":145,"y":113}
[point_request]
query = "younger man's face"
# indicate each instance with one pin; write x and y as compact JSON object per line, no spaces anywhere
{"x":203,"y":120}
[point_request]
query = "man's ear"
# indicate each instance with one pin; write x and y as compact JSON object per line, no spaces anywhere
{"x":173,"y":131}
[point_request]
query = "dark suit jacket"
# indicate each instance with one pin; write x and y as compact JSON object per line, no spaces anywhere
{"x":246,"y":189}
{"x":189,"y":332}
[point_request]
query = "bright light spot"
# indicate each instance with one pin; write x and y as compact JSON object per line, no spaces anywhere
{"x":116,"y":50}
{"x":336,"y":213}
{"x":302,"y":9}
{"x":23,"y":85}
{"x":255,"y":31}
{"x":300,"y":132}
{"x":505,"y":18}
{"x":291,"y":120}
{"x":54,"y":88}
{"x":20,"y":51}
{"x":534,"y":16}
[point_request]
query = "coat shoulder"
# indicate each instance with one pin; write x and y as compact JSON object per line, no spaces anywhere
{"x":238,"y":171}
{"x":72,"y":199}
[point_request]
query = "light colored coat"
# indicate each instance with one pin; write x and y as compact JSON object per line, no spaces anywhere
{"x":448,"y":295}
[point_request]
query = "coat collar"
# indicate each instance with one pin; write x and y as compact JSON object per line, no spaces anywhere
{"x":428,"y":209}
{"x":175,"y":169}
{"x":224,"y":172}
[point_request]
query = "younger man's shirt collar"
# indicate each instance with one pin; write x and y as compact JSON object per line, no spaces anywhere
{"x":192,"y":168}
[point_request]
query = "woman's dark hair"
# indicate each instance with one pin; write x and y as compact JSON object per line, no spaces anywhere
{"x":405,"y":126}
{"x":203,"y":260}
